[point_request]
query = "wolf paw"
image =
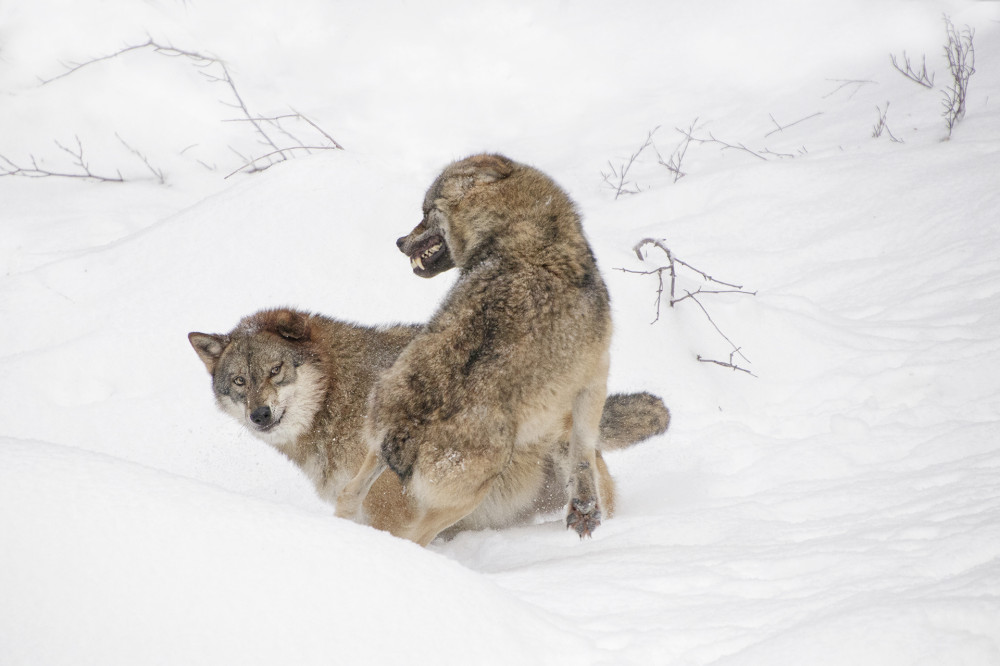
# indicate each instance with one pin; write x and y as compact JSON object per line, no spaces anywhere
{"x":584,"y":517}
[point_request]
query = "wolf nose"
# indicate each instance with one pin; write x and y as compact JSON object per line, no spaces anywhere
{"x":261,"y":416}
{"x":399,"y":243}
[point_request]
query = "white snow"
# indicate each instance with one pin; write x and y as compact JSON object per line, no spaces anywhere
{"x":841,"y":507}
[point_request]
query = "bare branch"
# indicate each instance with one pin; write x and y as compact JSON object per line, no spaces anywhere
{"x":729,"y":365}
{"x":724,"y":146}
{"x":251,"y":167}
{"x":77,"y":67}
{"x":781,"y":128}
{"x":671,"y":269}
{"x":673,"y":163}
{"x":10,"y":168}
{"x":158,"y":173}
{"x":220,"y":74}
{"x":617,"y":178}
{"x":909,"y":72}
{"x":881,"y":125}
{"x":961,"y":65}
{"x":857,"y":83}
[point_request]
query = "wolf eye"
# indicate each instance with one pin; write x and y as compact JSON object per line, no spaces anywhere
{"x":239,"y":381}
{"x":275,"y":370}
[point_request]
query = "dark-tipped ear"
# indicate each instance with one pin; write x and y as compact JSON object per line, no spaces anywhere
{"x":209,"y":348}
{"x":291,"y":325}
{"x":487,"y":168}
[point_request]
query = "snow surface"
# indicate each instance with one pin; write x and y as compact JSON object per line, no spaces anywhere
{"x":841,"y":507}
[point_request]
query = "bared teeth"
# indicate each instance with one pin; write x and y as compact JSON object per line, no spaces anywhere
{"x":418,"y":261}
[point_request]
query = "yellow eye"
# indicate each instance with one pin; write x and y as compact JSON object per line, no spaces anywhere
{"x":275,"y":370}
{"x":239,"y":381}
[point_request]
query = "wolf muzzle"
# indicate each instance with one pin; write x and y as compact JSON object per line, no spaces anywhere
{"x":262,"y":417}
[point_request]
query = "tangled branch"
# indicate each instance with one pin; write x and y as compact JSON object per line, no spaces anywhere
{"x":670,"y":269}
{"x":961,"y":65}
{"x":673,"y":163}
{"x":267,"y":129}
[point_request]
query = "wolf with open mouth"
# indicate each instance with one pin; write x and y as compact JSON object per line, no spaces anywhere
{"x":515,"y":357}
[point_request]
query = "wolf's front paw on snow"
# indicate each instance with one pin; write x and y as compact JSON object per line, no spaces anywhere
{"x":584,"y":516}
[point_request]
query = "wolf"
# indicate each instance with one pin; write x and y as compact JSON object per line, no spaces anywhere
{"x":515,"y":359}
{"x":299,"y":382}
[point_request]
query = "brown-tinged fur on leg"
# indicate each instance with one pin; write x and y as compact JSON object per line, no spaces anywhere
{"x":521,"y":340}
{"x":332,"y":367}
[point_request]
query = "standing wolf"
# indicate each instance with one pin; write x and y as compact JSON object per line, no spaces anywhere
{"x":299,"y":382}
{"x":515,"y":356}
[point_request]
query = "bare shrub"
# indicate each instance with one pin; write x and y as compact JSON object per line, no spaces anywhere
{"x":715,"y":286}
{"x":909,"y":71}
{"x":961,"y":65}
{"x":618,"y":177}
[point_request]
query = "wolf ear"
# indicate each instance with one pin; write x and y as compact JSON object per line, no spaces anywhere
{"x":209,"y":348}
{"x":486,"y":168}
{"x":291,"y":325}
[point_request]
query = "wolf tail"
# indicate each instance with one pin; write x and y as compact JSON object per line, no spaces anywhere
{"x":629,"y":418}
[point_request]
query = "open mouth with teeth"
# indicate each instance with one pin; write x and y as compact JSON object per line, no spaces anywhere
{"x":428,"y":258}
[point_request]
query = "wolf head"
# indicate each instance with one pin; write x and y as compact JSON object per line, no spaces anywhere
{"x":434,"y":244}
{"x":265,"y":373}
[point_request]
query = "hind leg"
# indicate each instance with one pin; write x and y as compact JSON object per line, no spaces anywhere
{"x":451,"y":481}
{"x":584,"y":513}
{"x":606,"y":484}
{"x":435,"y":519}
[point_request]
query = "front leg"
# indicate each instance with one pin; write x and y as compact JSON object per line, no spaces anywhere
{"x":584,"y":511}
{"x":350,"y":499}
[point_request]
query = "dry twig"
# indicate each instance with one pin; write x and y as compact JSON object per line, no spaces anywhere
{"x":9,"y":168}
{"x":907,"y":70}
{"x":216,"y":71}
{"x":674,"y":162}
{"x":670,"y":269}
{"x":857,"y":83}
{"x":781,"y":128}
{"x":724,"y":145}
{"x":962,"y":65}
{"x":617,"y":178}
{"x":881,"y":126}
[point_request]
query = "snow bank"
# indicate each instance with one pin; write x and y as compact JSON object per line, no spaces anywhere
{"x":840,"y":507}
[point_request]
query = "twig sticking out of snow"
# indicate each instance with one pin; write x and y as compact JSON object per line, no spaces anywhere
{"x":157,"y":173}
{"x":781,"y":128}
{"x":881,"y":126}
{"x":671,"y":270}
{"x":962,"y":65}
{"x":617,"y":177}
{"x":907,"y":70}
{"x":857,"y":83}
{"x":673,"y":163}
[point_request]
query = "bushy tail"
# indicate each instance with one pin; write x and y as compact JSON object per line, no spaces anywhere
{"x":629,"y":418}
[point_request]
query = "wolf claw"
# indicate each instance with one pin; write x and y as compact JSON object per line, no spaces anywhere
{"x":584,"y":517}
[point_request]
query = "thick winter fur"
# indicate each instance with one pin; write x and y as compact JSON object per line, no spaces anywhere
{"x":515,"y":357}
{"x":300,"y":381}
